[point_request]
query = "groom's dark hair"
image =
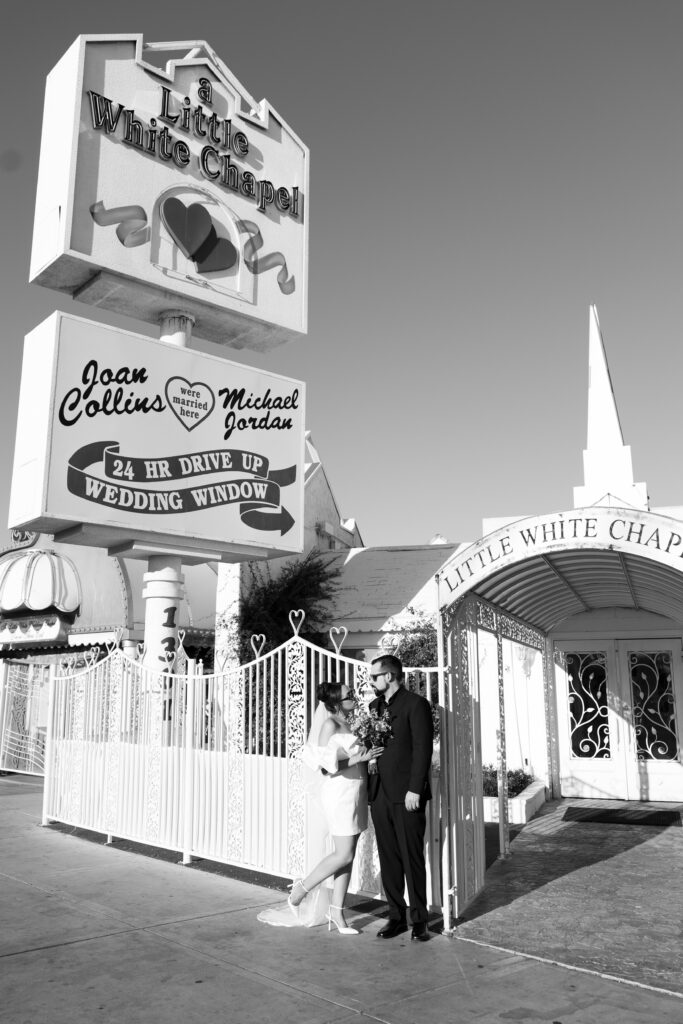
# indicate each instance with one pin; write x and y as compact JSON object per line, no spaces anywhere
{"x":389,"y":663}
{"x":330,"y":695}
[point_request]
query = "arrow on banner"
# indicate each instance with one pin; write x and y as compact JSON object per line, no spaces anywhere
{"x":254,"y":516}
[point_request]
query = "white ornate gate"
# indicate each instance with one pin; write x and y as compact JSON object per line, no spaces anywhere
{"x":460,"y":624}
{"x":23,"y":716}
{"x":209,"y":765}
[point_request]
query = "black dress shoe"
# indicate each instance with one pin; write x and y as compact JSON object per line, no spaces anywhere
{"x":391,"y":929}
{"x":420,"y":933}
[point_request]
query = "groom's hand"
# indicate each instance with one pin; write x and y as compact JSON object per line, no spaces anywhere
{"x":412,"y":801}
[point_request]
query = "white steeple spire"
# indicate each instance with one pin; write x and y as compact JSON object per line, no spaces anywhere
{"x":607,"y":466}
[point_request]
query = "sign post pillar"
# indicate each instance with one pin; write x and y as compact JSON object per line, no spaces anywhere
{"x":164,"y":582}
{"x":163,"y":592}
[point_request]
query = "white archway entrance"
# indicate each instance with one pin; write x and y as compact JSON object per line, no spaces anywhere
{"x":599,"y":592}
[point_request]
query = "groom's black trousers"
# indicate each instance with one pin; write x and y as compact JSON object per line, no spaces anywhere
{"x":400,"y":844}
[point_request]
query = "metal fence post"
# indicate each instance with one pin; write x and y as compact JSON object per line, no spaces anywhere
{"x":49,"y":740}
{"x":188,"y":764}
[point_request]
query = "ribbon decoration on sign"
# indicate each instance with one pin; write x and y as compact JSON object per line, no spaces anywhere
{"x":258,"y":494}
{"x":258,"y":265}
{"x":193,"y":230}
{"x":132,"y":227}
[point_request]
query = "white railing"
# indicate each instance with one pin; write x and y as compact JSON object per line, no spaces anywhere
{"x":208,"y":765}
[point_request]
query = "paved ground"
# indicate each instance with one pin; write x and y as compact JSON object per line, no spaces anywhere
{"x":608,"y":898}
{"x":103,"y":934}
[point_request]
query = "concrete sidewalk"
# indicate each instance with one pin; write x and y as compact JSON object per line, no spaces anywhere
{"x":92,"y":933}
{"x":604,"y":897}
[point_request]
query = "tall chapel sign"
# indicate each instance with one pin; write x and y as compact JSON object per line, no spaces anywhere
{"x":164,"y":186}
{"x":164,"y":191}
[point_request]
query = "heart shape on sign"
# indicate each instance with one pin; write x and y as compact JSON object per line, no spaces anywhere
{"x":193,"y":231}
{"x":191,"y":403}
{"x":215,"y":254}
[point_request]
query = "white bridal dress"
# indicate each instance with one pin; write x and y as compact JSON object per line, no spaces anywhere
{"x":336,"y":805}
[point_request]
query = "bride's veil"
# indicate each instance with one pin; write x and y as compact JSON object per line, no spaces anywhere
{"x":314,"y":907}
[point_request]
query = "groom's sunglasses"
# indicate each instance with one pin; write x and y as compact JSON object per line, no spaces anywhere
{"x":378,"y":675}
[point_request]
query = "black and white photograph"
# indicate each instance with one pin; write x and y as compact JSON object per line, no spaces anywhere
{"x":341,"y":588}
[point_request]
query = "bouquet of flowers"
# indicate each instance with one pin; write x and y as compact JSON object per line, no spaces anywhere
{"x":371,"y":729}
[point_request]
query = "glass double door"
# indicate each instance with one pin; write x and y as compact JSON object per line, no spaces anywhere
{"x":620,"y":706}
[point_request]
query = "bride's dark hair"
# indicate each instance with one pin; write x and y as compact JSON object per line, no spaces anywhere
{"x":330,"y":694}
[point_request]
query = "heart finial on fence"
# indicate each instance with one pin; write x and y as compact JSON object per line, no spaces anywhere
{"x":141,"y":651}
{"x":338,"y":635}
{"x":258,"y":642}
{"x":296,"y":620}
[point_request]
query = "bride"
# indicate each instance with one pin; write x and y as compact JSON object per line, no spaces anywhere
{"x":338,"y":764}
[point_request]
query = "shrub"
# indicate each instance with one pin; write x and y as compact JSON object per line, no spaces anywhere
{"x":518,"y":780}
{"x":309,"y":584}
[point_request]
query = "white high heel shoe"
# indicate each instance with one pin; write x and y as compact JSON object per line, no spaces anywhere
{"x":343,"y":929}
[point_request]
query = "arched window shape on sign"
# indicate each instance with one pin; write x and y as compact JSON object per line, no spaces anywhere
{"x":196,"y":238}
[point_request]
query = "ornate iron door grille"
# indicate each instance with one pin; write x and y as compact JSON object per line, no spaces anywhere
{"x":587,"y":696}
{"x":654,"y":717}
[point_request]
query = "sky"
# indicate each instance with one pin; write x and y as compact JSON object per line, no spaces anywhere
{"x":481,"y":172}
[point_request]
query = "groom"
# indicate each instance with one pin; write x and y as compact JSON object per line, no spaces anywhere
{"x":398,"y":793}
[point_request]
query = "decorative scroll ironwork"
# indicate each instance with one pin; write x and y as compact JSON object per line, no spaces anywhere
{"x":494,"y":620}
{"x":234,"y":763}
{"x":587,"y":697}
{"x":503,"y":796}
{"x":654,"y":716}
{"x":23,"y":718}
{"x":468,"y":773}
{"x":296,"y":736}
{"x":550,"y":707}
{"x":155,"y":697}
{"x":19,"y":539}
{"x":78,"y":685}
{"x":366,"y":861}
{"x":115,"y":680}
{"x":486,"y":616}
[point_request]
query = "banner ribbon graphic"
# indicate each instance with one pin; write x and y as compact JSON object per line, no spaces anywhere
{"x":133,"y":230}
{"x":257,"y":494}
{"x":258,"y":265}
{"x":132,"y":227}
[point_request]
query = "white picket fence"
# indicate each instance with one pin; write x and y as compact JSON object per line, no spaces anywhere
{"x":209,"y":765}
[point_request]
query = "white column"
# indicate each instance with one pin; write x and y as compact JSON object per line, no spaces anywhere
{"x":164,"y":582}
{"x":129,"y":646}
{"x":163,"y":593}
{"x":175,"y":327}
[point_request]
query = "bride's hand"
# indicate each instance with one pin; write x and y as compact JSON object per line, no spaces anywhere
{"x":370,"y":755}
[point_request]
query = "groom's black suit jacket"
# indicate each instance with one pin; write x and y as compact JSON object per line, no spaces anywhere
{"x":404,"y":765}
